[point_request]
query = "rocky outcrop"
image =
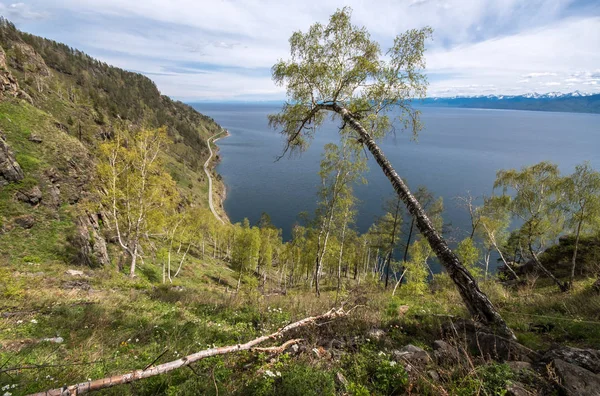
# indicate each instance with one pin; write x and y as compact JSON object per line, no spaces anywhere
{"x":88,"y":241}
{"x":32,"y":196}
{"x":9,"y":86}
{"x":26,"y":59}
{"x":25,"y":221}
{"x":589,"y":359}
{"x":575,"y":380}
{"x":413,"y":355}
{"x":10,"y":171}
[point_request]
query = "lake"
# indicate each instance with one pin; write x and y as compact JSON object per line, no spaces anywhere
{"x":458,"y":151}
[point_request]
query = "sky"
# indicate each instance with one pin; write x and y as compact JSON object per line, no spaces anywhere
{"x":223,"y":50}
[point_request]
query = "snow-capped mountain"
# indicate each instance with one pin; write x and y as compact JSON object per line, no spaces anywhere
{"x":576,"y":101}
{"x":531,"y":95}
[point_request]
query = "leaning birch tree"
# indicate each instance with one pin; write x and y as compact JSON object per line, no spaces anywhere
{"x":338,"y":69}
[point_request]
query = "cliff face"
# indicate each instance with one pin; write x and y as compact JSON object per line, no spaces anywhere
{"x":56,"y":105}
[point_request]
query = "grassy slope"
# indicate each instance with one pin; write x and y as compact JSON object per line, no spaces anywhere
{"x":113,"y":325}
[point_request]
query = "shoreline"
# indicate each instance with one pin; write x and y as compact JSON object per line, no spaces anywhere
{"x":221,"y":192}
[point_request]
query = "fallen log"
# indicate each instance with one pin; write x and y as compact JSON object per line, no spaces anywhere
{"x":90,"y":386}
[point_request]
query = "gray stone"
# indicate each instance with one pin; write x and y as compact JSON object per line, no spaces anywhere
{"x":10,"y":170}
{"x":25,"y":221}
{"x":445,"y":354}
{"x":376,"y":334}
{"x":516,"y":389}
{"x":74,"y":272}
{"x":412,"y":354}
{"x":589,"y":359}
{"x":520,"y":366}
{"x":33,"y":196}
{"x":576,"y":380}
{"x":434,"y":375}
{"x":89,"y":241}
{"x":35,"y":138}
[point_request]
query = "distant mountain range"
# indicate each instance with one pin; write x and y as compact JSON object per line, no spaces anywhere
{"x":577,"y":102}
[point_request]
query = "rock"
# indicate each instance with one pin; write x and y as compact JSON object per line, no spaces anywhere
{"x":520,"y":366}
{"x":35,"y":138}
{"x":589,"y":359}
{"x":411,"y":354}
{"x":74,"y":272}
{"x":341,"y":379}
{"x":88,"y":241}
{"x":434,"y":375}
{"x":482,"y":340}
{"x":33,"y":196}
{"x":29,"y":60}
{"x":445,"y":354}
{"x":10,"y":170}
{"x":516,"y":389}
{"x":25,"y":221}
{"x":76,"y":284}
{"x":376,"y":334}
{"x":576,"y":380}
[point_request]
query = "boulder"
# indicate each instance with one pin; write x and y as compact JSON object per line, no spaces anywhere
{"x":516,"y":389}
{"x":10,"y":170}
{"x":445,"y":354}
{"x":412,"y":354}
{"x":25,"y":221}
{"x":35,"y":138}
{"x":73,"y":272}
{"x":589,"y":359}
{"x":33,"y":196}
{"x":520,"y":366}
{"x":376,"y":334}
{"x":90,"y":245}
{"x":575,"y":380}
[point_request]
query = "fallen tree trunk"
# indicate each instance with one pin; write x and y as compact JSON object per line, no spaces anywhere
{"x":90,"y":386}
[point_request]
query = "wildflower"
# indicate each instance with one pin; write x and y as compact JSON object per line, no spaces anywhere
{"x":19,"y":321}
{"x":278,"y":373}
{"x":392,"y":363}
{"x":269,"y":373}
{"x":33,"y":321}
{"x":381,"y":353}
{"x":137,"y":340}
{"x":7,"y":394}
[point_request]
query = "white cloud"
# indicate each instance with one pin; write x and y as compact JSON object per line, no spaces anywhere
{"x":224,"y":49}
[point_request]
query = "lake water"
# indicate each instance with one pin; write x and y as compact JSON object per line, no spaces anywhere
{"x":458,"y":151}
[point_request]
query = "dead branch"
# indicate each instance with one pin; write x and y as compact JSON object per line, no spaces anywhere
{"x":85,"y":387}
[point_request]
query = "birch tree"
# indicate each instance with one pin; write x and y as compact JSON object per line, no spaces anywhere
{"x":582,"y":204}
{"x":338,"y":69}
{"x":134,"y":190}
{"x":536,"y":203}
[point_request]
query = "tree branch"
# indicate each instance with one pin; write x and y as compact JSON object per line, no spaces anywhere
{"x":90,"y":386}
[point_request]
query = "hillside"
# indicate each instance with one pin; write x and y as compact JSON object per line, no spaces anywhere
{"x":574,"y":102}
{"x":115,"y":276}
{"x":57,"y":105}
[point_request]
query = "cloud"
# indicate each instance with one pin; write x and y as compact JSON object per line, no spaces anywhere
{"x":20,"y":12}
{"x":224,"y":49}
{"x":542,"y":74}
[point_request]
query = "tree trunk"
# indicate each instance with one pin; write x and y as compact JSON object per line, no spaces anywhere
{"x":133,"y":261}
{"x":476,"y":301}
{"x":412,"y":225}
{"x":389,"y":257}
{"x":562,"y":286}
{"x":574,"y":259}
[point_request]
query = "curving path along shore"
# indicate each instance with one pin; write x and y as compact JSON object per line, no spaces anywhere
{"x":207,"y":171}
